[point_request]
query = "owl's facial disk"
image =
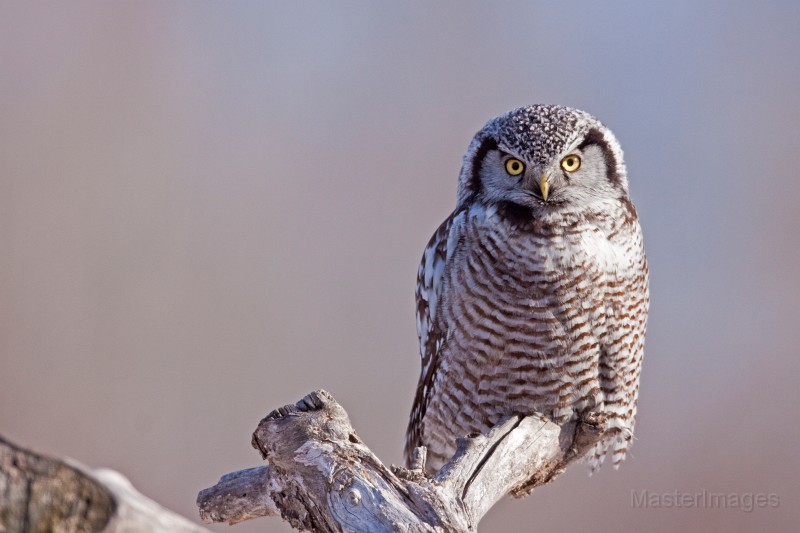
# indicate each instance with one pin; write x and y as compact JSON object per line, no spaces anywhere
{"x":575,"y":177}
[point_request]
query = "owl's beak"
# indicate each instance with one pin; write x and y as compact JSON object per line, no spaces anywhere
{"x":544,"y":185}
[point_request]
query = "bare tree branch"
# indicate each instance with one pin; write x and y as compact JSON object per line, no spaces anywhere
{"x":321,"y":477}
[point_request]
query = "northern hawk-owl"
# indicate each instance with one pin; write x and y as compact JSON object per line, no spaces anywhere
{"x":532,"y":296}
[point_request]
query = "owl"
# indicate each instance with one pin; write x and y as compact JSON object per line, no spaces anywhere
{"x":533,"y":296}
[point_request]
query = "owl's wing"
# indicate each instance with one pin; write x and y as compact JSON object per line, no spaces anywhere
{"x":622,"y":344}
{"x":429,"y":331}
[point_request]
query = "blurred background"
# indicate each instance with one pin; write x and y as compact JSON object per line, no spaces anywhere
{"x":208,"y":210}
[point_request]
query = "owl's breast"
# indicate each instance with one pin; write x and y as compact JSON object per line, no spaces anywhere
{"x":521,"y":306}
{"x":531,"y":270}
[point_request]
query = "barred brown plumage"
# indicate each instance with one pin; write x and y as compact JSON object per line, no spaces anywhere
{"x":532,"y":299}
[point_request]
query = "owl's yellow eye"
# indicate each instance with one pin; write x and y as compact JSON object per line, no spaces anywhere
{"x":515,"y":167}
{"x":571,"y":163}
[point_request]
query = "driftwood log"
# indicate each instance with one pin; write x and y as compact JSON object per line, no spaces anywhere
{"x":320,"y":476}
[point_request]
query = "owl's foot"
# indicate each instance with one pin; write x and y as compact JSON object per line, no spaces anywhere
{"x":416,"y":470}
{"x":590,"y":426}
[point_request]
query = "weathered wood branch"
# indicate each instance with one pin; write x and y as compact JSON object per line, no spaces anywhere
{"x":320,"y":476}
{"x":40,"y":493}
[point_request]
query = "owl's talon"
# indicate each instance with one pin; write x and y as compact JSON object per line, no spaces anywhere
{"x":418,"y":457}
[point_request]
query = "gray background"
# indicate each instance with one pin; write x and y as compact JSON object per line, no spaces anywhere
{"x":208,"y":210}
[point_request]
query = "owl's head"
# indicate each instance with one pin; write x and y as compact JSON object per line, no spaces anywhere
{"x":545,"y":158}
